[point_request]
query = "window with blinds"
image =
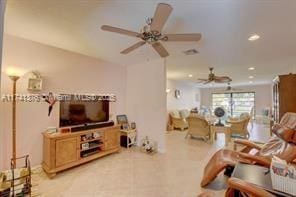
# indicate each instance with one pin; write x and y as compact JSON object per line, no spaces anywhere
{"x":234,"y":103}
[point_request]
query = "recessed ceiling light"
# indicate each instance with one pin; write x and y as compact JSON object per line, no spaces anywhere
{"x":254,"y":37}
{"x":190,"y":75}
{"x":251,"y":77}
{"x":251,"y":68}
{"x":250,"y":81}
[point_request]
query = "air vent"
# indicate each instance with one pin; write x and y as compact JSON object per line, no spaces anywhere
{"x":190,"y":52}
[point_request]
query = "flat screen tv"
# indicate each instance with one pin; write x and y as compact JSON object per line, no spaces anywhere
{"x":75,"y":111}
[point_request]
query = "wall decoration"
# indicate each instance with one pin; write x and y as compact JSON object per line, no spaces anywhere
{"x":50,"y":99}
{"x":35,"y":82}
{"x":177,"y":94}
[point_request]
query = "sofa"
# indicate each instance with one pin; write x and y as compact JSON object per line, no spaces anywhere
{"x":178,"y":119}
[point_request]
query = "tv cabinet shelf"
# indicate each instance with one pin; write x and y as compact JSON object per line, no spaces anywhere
{"x":92,"y":147}
{"x":62,"y":151}
{"x":91,"y":140}
{"x":90,"y":154}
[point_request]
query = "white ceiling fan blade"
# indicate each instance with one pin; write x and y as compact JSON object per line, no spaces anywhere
{"x":120,"y":31}
{"x":133,"y":47}
{"x":160,"y":49}
{"x":182,"y":37}
{"x":161,"y":15}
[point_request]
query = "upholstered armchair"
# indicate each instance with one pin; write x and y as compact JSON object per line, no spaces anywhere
{"x":282,"y":145}
{"x":198,"y":126}
{"x":239,"y":127}
{"x":179,"y":121}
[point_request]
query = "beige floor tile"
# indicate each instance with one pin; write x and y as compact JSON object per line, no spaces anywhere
{"x":131,"y":173}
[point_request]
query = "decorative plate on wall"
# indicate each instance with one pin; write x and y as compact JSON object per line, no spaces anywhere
{"x":177,"y":94}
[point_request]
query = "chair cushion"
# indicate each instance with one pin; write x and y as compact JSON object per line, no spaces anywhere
{"x":285,"y":133}
{"x":184,"y":113}
{"x":280,"y":148}
{"x":289,"y":120}
{"x":175,"y":114}
{"x":244,"y":115}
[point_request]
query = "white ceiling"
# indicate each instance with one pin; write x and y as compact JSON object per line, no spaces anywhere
{"x":225,"y":26}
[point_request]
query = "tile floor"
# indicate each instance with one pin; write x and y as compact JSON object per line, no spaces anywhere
{"x":131,"y":173}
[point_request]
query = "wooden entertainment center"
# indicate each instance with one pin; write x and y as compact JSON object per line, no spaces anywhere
{"x":65,"y":150}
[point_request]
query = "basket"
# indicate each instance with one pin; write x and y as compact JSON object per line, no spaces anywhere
{"x":283,"y":176}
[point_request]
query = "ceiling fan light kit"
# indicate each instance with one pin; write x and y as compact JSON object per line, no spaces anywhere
{"x":151,"y":33}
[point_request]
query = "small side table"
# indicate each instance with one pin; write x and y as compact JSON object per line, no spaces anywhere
{"x":131,"y":136}
{"x":221,"y":129}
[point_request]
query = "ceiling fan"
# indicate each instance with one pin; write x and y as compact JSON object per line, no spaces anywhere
{"x":230,"y":88}
{"x":151,"y":33}
{"x":213,"y":78}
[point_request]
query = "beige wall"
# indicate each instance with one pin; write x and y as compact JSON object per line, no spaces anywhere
{"x":63,"y":72}
{"x":146,"y":100}
{"x":190,"y":95}
{"x":263,"y":95}
{"x":2,"y":9}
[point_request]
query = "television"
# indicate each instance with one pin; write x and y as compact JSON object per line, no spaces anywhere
{"x":82,"y":111}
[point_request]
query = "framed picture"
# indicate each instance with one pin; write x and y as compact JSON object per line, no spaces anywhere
{"x":35,"y":84}
{"x":121,"y":119}
{"x":177,"y":94}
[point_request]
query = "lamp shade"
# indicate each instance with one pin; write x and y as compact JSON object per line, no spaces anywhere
{"x":15,"y":71}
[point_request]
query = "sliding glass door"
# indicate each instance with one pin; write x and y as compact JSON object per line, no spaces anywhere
{"x":234,"y":103}
{"x":222,"y":100}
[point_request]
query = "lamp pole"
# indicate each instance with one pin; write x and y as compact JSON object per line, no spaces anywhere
{"x":14,"y":79}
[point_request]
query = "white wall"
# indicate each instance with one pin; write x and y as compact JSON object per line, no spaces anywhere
{"x":190,"y":95}
{"x":263,"y":95}
{"x":63,"y":72}
{"x":2,"y":9}
{"x":146,"y":100}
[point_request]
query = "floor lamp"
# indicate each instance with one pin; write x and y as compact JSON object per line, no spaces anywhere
{"x":14,"y":78}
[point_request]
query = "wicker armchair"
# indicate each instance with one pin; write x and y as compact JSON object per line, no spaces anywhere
{"x":198,"y":126}
{"x":178,"y":121}
{"x":239,"y":127}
